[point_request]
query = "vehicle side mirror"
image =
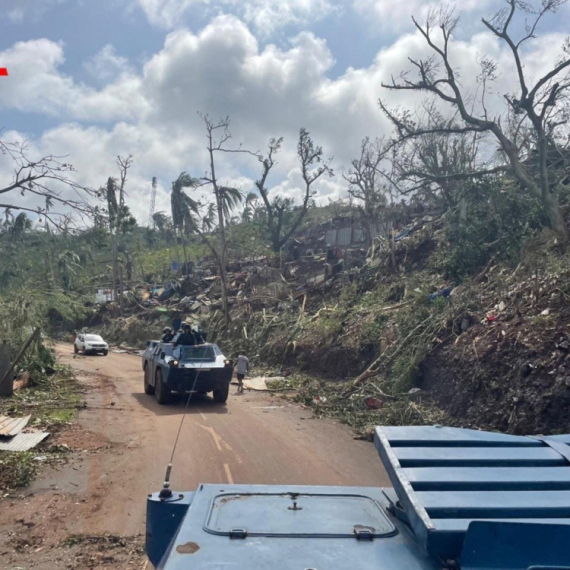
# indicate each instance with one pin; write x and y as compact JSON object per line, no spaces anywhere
{"x":162,"y":354}
{"x":147,"y":343}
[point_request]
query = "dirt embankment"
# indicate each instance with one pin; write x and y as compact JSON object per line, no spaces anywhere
{"x":511,"y":371}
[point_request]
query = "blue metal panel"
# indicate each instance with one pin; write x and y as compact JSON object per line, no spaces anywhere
{"x":496,"y":504}
{"x":564,"y":438}
{"x":432,"y":436}
{"x":445,"y":478}
{"x":163,"y":517}
{"x":516,"y":546}
{"x":194,"y":547}
{"x":477,"y":457}
{"x":488,"y":478}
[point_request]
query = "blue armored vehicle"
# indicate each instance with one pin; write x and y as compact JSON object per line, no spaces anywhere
{"x":200,"y":368}
{"x":461,"y":500}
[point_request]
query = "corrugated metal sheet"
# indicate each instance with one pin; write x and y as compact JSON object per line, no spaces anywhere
{"x":344,"y":237}
{"x":358,"y":235}
{"x":330,"y":238}
{"x":22,"y":441}
{"x":380,"y":229}
{"x":12,"y":426}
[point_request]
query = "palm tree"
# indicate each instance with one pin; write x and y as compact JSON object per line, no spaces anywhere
{"x":209,"y":218}
{"x":19,"y":225}
{"x":68,"y":262}
{"x":183,"y":208}
{"x":231,"y":198}
{"x":160,"y":220}
{"x":249,"y":207}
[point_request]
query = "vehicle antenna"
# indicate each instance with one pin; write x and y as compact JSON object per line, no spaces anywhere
{"x":166,"y":492}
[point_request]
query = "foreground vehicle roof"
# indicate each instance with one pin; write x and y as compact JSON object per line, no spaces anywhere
{"x":461,"y":499}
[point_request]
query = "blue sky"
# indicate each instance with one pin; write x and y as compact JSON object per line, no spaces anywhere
{"x":273,"y":65}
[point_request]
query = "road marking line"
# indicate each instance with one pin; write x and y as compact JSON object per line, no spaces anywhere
{"x":203,"y":416}
{"x":228,"y":474}
{"x":212,"y":432}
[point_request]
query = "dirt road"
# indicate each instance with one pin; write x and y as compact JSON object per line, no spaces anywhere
{"x":123,"y":441}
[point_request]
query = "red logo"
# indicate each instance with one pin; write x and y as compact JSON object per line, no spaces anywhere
{"x":3,"y":72}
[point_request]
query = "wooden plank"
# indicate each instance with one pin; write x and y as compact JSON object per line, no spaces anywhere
{"x":477,"y":457}
{"x":488,"y":478}
{"x":430,"y":436}
{"x":496,"y":504}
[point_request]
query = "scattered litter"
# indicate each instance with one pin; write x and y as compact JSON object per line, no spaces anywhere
{"x":23,"y":441}
{"x":545,"y":313}
{"x":374,"y":403}
{"x":12,"y":426}
{"x":445,"y":293}
{"x":258,"y":383}
{"x":22,"y":382}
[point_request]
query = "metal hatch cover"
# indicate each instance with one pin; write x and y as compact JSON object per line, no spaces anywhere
{"x":297,"y":515}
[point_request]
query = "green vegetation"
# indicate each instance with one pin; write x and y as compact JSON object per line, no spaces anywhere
{"x":53,"y":401}
{"x":17,"y":469}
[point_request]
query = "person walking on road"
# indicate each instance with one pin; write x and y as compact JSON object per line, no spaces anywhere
{"x":241,"y":370}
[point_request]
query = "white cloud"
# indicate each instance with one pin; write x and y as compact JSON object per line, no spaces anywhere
{"x":266,"y":16}
{"x":37,"y":85}
{"x":167,"y":13}
{"x":222,"y":70}
{"x":106,"y":65}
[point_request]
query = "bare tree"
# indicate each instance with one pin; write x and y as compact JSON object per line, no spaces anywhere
{"x":433,"y":167}
{"x":535,"y":110}
{"x":279,"y":210}
{"x":117,"y":213}
{"x":47,"y":177}
{"x":367,"y":181}
{"x":218,"y":135}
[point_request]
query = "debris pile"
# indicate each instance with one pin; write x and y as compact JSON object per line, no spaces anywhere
{"x":14,"y":438}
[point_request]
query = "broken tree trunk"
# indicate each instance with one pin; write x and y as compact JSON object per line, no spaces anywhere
{"x":7,"y":377}
{"x":6,"y":387}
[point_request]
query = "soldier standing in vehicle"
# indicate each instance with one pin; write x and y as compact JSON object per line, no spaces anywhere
{"x":186,"y":337}
{"x":242,"y":369}
{"x":167,"y":335}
